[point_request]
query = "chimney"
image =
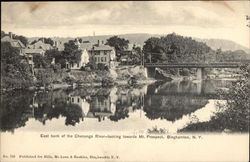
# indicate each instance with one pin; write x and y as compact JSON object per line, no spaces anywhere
{"x":98,"y":42}
{"x":55,"y":43}
{"x":10,"y":34}
{"x":102,"y":42}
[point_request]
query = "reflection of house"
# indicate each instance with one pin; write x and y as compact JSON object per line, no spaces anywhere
{"x":99,"y":107}
{"x":81,"y":102}
{"x":21,"y":47}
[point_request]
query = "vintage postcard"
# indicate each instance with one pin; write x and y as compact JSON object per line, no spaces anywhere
{"x":125,"y":81}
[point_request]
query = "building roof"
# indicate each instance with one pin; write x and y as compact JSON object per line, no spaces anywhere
{"x":42,"y":45}
{"x":60,"y":45}
{"x":102,"y":48}
{"x":31,"y":51}
{"x":87,"y":46}
{"x":13,"y":42}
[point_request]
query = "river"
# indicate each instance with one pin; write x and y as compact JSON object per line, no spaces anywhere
{"x":164,"y":107}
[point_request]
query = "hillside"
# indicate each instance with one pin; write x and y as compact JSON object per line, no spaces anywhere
{"x":133,"y":38}
{"x":140,"y":38}
{"x":225,"y":45}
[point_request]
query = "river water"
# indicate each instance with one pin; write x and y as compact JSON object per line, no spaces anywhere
{"x":164,"y":107}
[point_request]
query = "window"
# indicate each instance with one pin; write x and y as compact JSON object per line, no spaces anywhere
{"x":78,"y":100}
{"x":101,"y":59}
{"x":95,"y":59}
{"x":98,"y":58}
{"x":78,"y":65}
{"x":72,"y":99}
{"x":105,"y":59}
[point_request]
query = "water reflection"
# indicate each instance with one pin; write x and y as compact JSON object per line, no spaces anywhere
{"x":169,"y":102}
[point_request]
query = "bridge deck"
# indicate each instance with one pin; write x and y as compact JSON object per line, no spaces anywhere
{"x":196,"y":65}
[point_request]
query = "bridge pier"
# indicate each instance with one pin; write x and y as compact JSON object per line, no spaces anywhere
{"x":150,"y":72}
{"x":199,"y":87}
{"x":178,"y":72}
{"x":200,"y":74}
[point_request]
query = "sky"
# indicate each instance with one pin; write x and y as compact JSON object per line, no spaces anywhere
{"x":201,"y":19}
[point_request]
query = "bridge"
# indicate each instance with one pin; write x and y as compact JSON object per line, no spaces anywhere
{"x":150,"y":67}
{"x":196,"y":65}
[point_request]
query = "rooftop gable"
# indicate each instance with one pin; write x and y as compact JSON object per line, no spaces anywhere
{"x":13,"y":42}
{"x":43,"y":45}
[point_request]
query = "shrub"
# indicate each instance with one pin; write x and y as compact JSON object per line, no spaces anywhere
{"x":101,"y":66}
{"x":82,"y":68}
{"x":44,"y":76}
{"x":184,"y":72}
{"x":69,"y":80}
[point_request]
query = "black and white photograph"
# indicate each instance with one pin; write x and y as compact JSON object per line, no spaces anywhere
{"x":125,"y":81}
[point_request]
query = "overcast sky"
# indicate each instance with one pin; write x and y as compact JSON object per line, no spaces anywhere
{"x":209,"y":19}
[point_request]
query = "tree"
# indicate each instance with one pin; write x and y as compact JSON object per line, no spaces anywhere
{"x":40,"y":61}
{"x":23,"y":39}
{"x":3,"y":34}
{"x":54,"y":53}
{"x":71,"y":52}
{"x":15,"y":71}
{"x":44,"y":76}
{"x":120,"y":44}
{"x":175,"y":48}
{"x":137,"y":55}
{"x":47,"y":41}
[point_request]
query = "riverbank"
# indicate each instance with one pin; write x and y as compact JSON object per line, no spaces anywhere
{"x":120,"y":75}
{"x":48,"y":79}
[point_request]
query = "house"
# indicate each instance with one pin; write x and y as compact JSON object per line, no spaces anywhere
{"x":84,"y":47}
{"x":39,"y":47}
{"x":19,"y":45}
{"x":59,"y":45}
{"x":34,"y":51}
{"x":93,"y":53}
{"x":102,"y":54}
{"x":129,"y":55}
{"x":14,"y":43}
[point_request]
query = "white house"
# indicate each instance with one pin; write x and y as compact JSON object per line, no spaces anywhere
{"x":83,"y":61}
{"x":84,"y":47}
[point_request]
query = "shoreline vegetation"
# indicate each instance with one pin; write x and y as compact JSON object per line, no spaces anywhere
{"x":234,"y":115}
{"x":47,"y":79}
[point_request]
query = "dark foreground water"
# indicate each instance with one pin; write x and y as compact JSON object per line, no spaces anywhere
{"x":167,"y":106}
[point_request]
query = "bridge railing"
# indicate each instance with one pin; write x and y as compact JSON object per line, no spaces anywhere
{"x":197,"y":65}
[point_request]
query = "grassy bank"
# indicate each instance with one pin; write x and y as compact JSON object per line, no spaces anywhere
{"x":120,"y":76}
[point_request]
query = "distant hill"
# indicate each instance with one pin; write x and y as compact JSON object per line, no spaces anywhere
{"x":133,"y":38}
{"x":140,"y":38}
{"x":225,"y":45}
